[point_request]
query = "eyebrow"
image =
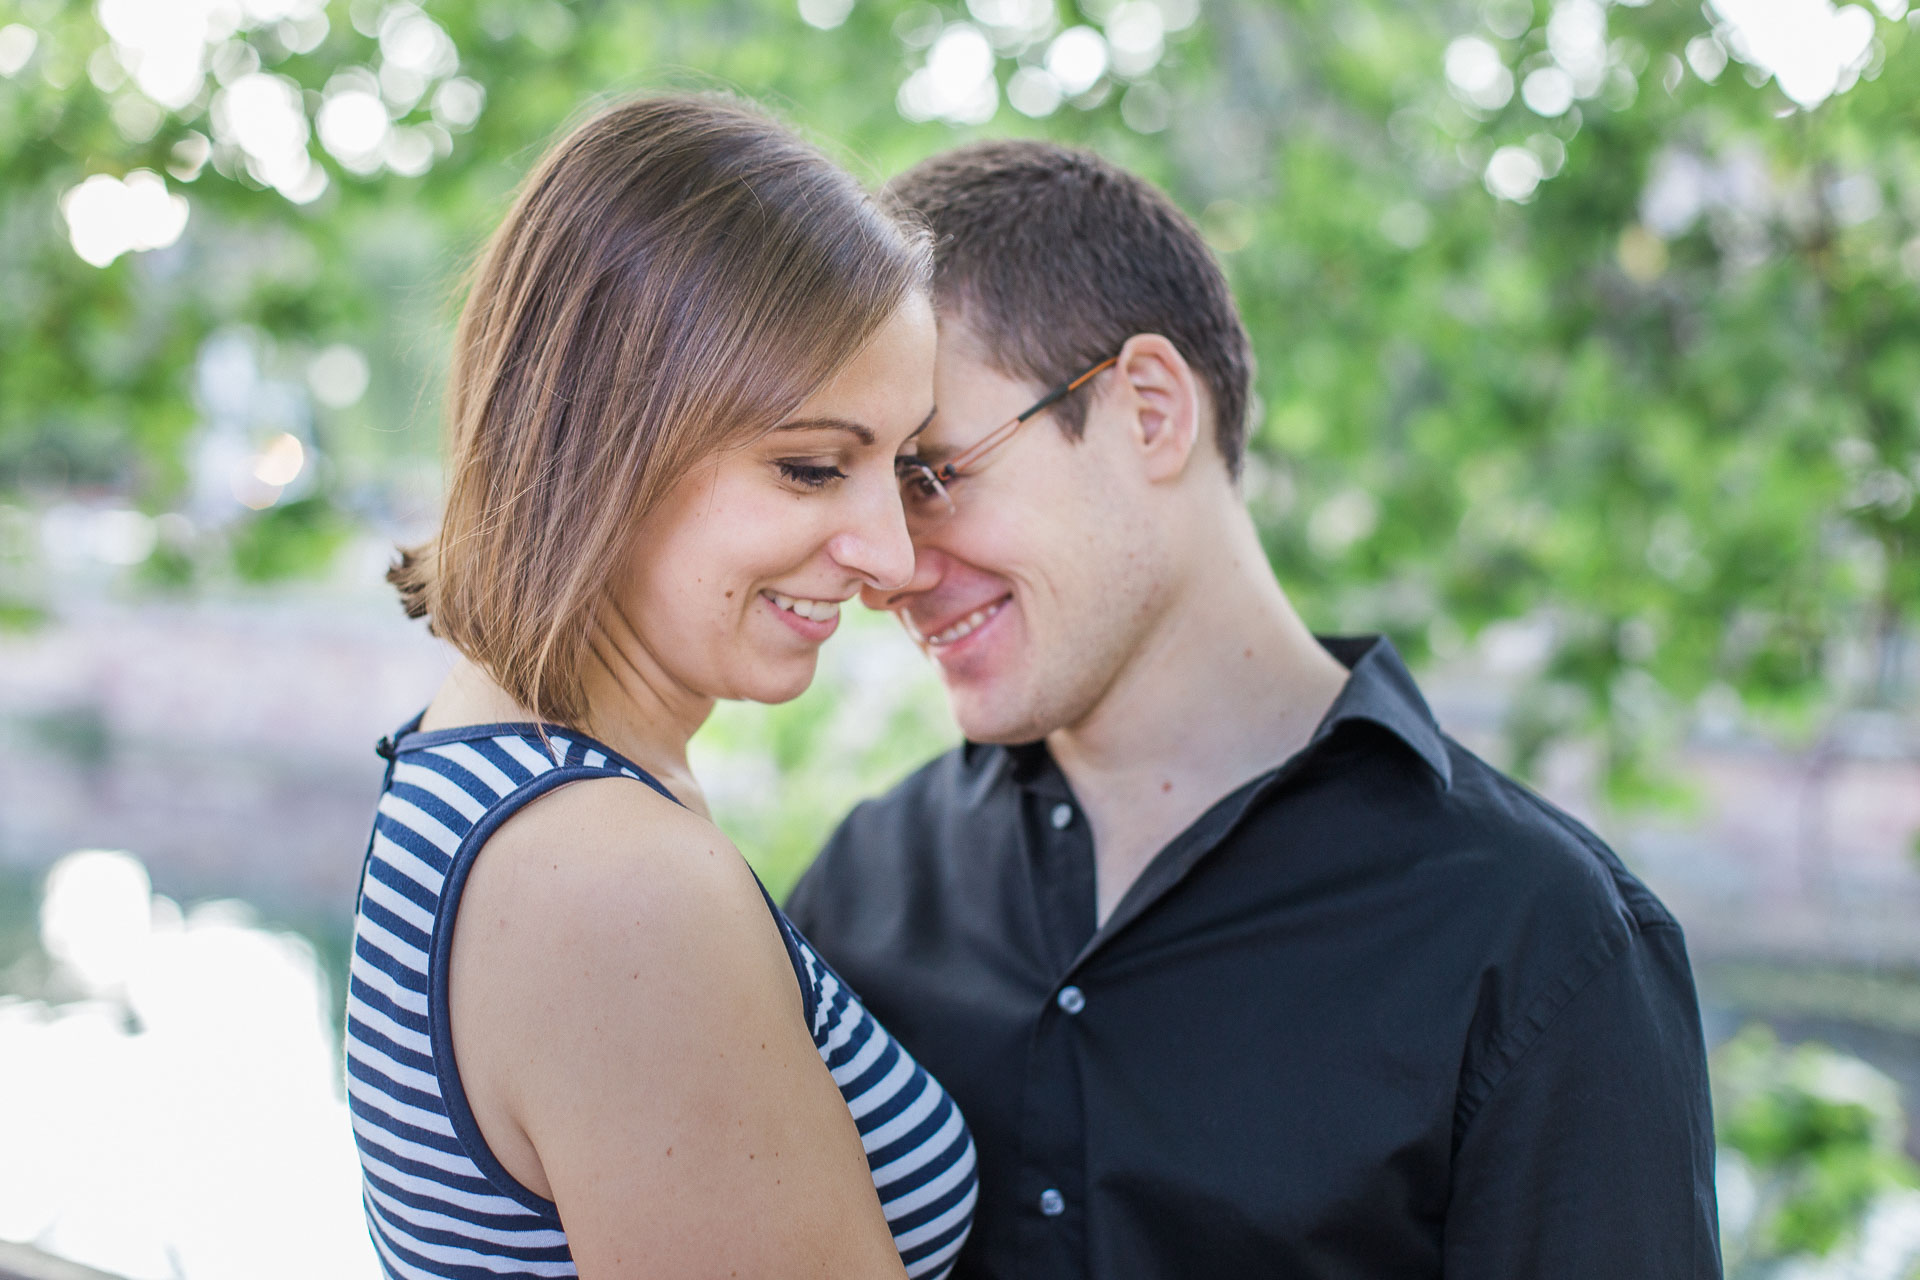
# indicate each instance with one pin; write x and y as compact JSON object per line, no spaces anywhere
{"x":861,"y":433}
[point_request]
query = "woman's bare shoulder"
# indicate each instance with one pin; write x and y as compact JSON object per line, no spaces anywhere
{"x":635,"y":1021}
{"x":610,"y":864}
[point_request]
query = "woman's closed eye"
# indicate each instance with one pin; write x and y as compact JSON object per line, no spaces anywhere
{"x":810,"y":473}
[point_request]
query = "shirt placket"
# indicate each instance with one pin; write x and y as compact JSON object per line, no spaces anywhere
{"x":1052,"y":1191}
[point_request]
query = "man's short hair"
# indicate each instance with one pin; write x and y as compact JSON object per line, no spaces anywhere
{"x":1054,"y":258}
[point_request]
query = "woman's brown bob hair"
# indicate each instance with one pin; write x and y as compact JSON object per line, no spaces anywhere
{"x":677,"y":275}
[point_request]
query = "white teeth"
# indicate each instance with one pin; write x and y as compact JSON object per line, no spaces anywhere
{"x":965,"y":627}
{"x":815,"y":610}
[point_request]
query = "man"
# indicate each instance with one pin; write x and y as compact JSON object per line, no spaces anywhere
{"x":1236,"y":963}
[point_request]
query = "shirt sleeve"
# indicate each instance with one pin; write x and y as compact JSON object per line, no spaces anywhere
{"x":1592,"y":1157}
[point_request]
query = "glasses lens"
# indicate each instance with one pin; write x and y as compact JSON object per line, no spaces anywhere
{"x":922,"y":494}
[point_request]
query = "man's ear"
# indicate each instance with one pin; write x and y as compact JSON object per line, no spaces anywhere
{"x":1160,"y":397}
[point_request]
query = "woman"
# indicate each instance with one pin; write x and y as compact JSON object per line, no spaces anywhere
{"x":691,"y":362}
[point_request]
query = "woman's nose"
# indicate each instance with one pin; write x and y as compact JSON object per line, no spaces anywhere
{"x":875,"y":543}
{"x":928,"y":569}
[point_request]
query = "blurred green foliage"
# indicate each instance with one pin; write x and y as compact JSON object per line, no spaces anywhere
{"x":1661,"y":397}
{"x":1819,"y":1138}
{"x":780,"y":778}
{"x":289,"y":539}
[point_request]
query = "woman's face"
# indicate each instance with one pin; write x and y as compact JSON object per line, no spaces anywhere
{"x":738,"y":577}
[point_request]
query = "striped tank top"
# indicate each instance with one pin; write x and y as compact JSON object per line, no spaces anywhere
{"x":438,"y":1203}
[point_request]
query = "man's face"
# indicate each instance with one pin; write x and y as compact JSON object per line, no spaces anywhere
{"x":1031,"y":596}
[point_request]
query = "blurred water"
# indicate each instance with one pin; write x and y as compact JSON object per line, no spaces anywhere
{"x":172,"y":1104}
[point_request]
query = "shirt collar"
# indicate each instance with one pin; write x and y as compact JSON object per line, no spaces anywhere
{"x":1379,"y":690}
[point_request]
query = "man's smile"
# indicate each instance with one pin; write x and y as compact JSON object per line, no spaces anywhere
{"x":954,"y":627}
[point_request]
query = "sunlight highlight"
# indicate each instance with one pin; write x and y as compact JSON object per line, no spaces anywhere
{"x":182,"y":1117}
{"x":108,"y":216}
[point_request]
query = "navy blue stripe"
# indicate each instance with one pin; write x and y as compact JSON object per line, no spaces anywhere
{"x":458,"y":774}
{"x":521,"y":1221}
{"x":492,"y":1248}
{"x":441,"y":1270}
{"x":913,"y":1140}
{"x":836,"y":1011}
{"x":361,"y":1033}
{"x":903,"y":1097}
{"x":926,"y":1213}
{"x":394,"y":967}
{"x":412,"y":841}
{"x":876,"y":1070}
{"x":380,"y":1002}
{"x":375,"y":1149}
{"x":433,"y":806}
{"x":406,"y":931}
{"x":502,"y":759}
{"x":403,"y":884}
{"x":400,"y":1129}
{"x":406,"y":1096}
{"x":928,"y":1248}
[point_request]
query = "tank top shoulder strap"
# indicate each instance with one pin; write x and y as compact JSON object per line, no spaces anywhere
{"x":571,"y":756}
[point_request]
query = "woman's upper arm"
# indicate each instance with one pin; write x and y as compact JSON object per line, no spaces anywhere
{"x":622,"y":996}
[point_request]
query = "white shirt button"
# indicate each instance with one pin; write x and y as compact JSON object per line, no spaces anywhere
{"x":1052,"y":1203}
{"x":1071,"y":999}
{"x":1062,"y":816}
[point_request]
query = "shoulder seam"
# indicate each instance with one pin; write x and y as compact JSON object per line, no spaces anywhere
{"x":1539,"y":1018}
{"x":1632,"y":904}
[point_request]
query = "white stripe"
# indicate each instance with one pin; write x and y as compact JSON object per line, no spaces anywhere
{"x":887,"y":1174}
{"x":917,"y":1110}
{"x":405,"y":952}
{"x":960,"y":1171}
{"x":478,"y":765}
{"x":384,"y":1024}
{"x":935,"y":1261}
{"x":363,"y":970}
{"x":421,"y":823}
{"x":398,"y":903}
{"x":398,"y":1111}
{"x":451,"y":1196}
{"x":523,"y":751}
{"x":409,"y":864}
{"x":938,"y":1227}
{"x":394,"y":1263}
{"x":456,"y":1256}
{"x":406,"y":1149}
{"x":866,"y":1050}
{"x":594,"y":759}
{"x":396,"y":1072}
{"x":882,"y":1090}
{"x":451,"y":793}
{"x":842,"y":1033}
{"x":541,"y":1237}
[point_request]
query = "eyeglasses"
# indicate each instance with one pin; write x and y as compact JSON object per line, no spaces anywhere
{"x":923,"y":488}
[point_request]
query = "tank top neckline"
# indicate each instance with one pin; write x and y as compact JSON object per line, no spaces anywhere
{"x":410,"y":737}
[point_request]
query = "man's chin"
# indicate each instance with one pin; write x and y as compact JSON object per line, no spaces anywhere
{"x":994,"y":721}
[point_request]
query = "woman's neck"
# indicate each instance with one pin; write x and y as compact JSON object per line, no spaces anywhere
{"x":624,"y":711}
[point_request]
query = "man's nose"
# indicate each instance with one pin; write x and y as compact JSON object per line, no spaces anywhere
{"x":929,"y":567}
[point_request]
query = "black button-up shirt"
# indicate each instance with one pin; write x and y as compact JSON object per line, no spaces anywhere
{"x":1381,"y":1012}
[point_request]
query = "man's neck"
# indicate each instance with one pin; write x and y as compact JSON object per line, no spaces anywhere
{"x":1229,"y":684}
